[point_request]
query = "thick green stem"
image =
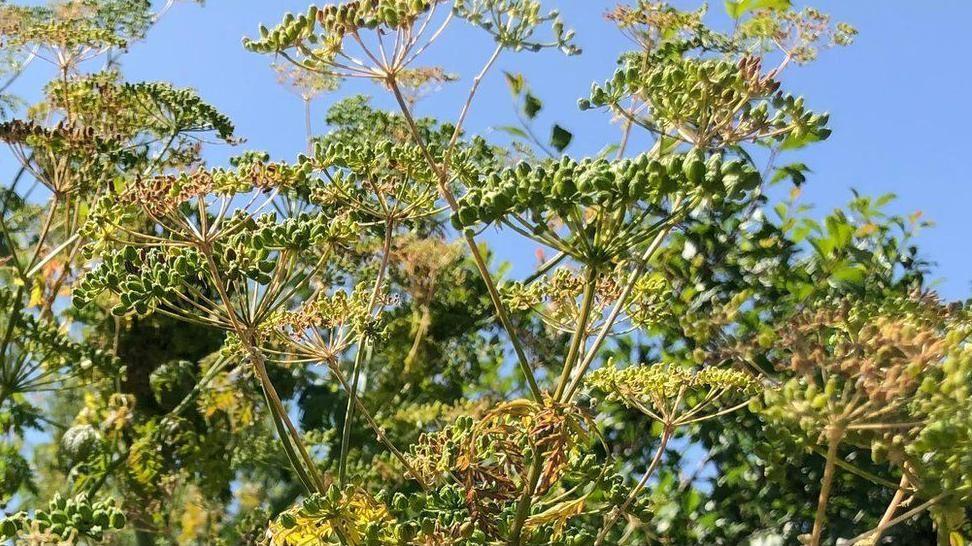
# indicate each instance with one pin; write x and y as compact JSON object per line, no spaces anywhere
{"x":288,"y":432}
{"x":280,"y":413}
{"x":379,"y":431}
{"x":526,"y":500}
{"x":606,"y":328}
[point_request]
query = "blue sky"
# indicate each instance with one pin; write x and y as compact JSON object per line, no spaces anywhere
{"x":898,"y":99}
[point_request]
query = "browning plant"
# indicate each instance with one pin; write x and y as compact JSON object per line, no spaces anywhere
{"x":323,"y":350}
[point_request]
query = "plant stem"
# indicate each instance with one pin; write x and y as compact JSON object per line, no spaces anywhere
{"x":359,"y":356}
{"x":349,"y":413}
{"x":615,"y":514}
{"x":526,"y":500}
{"x":916,"y":510}
{"x":277,"y":407}
{"x":277,"y":410}
{"x":833,"y":442}
{"x":858,"y":471}
{"x":494,"y":296}
{"x":622,"y":299}
{"x":892,"y":508}
{"x":580,"y":333}
{"x":378,"y":430}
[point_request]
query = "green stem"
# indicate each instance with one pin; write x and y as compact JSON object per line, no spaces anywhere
{"x":526,"y":500}
{"x":580,"y":333}
{"x":284,"y":424}
{"x":856,"y":470}
{"x":359,"y":356}
{"x":288,"y":432}
{"x":494,"y":296}
{"x":288,"y":447}
{"x":622,"y":298}
{"x":349,"y":413}
{"x":903,"y":517}
{"x":379,"y":431}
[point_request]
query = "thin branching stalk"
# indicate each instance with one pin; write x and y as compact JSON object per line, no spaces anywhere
{"x":616,"y":513}
{"x":359,"y":356}
{"x":891,"y":523}
{"x":619,"y":305}
{"x":494,"y":295}
{"x":899,"y":496}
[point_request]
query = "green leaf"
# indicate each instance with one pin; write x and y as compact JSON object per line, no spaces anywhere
{"x":531,"y":105}
{"x":848,"y":274}
{"x":560,"y":138}
{"x":515,"y":82}
{"x":794,"y":171}
{"x":884,"y":200}
{"x":514,"y":131}
{"x":793,"y":142}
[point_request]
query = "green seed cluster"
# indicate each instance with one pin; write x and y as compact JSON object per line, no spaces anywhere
{"x":183,"y":107}
{"x":350,"y":513}
{"x":122,"y":110}
{"x":249,"y":254}
{"x":68,"y":519}
{"x":712,"y":96}
{"x":943,"y":449}
{"x":375,"y":161}
{"x":372,"y":178}
{"x":329,"y":25}
{"x":15,"y":471}
{"x":555,"y":188}
{"x":651,"y":301}
{"x":76,"y":23}
{"x":514,"y":22}
{"x":144,"y":277}
{"x":443,"y":510}
{"x":300,"y":232}
{"x":57,"y":349}
{"x":803,"y":405}
{"x":340,"y":309}
{"x":141,"y":277}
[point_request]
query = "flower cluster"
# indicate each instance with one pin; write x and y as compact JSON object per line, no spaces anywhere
{"x":659,"y":384}
{"x":513,"y":23}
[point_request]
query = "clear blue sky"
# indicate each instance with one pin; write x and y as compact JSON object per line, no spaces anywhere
{"x":898,"y":98}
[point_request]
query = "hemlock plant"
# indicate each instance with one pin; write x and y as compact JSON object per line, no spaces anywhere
{"x":322,"y":350}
